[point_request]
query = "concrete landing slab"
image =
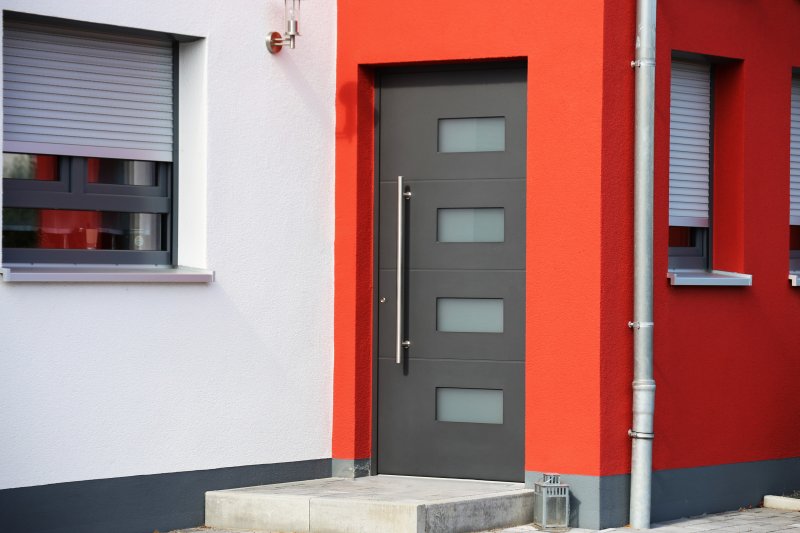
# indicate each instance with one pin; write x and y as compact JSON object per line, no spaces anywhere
{"x":375,"y":504}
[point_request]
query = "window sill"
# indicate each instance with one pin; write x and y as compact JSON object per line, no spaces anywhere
{"x":794,"y":277}
{"x":104,"y":274}
{"x":704,"y":278}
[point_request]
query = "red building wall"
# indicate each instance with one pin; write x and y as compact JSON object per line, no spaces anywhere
{"x":727,"y":360}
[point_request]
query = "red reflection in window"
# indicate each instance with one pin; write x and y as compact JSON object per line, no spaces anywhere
{"x":74,"y":230}
{"x":46,"y":167}
{"x":681,"y":236}
{"x":93,"y":170}
{"x":794,"y":237}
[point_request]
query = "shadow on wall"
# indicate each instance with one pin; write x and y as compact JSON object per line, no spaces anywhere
{"x":347,"y":98}
{"x":574,"y":510}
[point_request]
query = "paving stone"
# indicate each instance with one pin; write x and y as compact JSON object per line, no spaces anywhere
{"x":757,"y":520}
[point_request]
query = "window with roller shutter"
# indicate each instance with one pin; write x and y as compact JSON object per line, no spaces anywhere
{"x":690,"y":152}
{"x":794,"y":177}
{"x":88,"y":145}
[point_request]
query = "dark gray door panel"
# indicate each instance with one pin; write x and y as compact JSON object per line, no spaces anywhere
{"x":413,"y":136}
{"x":473,"y":353}
{"x":420,"y":445}
{"x":427,"y":342}
{"x":428,"y":197}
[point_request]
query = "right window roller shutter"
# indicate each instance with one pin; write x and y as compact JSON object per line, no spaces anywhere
{"x":689,"y":144}
{"x":794,"y":154}
{"x":76,"y":92}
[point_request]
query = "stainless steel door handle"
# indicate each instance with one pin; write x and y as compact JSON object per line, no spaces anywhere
{"x":402,"y":194}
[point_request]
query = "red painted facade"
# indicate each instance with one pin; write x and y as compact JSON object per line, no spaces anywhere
{"x":727,"y":360}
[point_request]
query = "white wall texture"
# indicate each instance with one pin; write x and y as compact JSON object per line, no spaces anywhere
{"x":108,"y":380}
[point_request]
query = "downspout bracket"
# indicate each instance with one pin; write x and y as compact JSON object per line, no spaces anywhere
{"x":640,"y":325}
{"x":636,"y":63}
{"x":639,"y":435}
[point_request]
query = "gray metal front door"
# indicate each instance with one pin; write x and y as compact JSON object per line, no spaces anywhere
{"x":454,"y":404}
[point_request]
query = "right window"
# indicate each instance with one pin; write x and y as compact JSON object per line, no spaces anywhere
{"x":794,"y":179}
{"x":690,"y":172}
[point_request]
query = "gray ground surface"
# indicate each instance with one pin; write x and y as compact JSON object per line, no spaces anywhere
{"x":751,"y":520}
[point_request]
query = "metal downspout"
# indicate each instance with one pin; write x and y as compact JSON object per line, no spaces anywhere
{"x":644,"y":387}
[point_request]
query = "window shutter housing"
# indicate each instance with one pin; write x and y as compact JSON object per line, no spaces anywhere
{"x":794,"y":154}
{"x":689,"y":144}
{"x":86,"y":93}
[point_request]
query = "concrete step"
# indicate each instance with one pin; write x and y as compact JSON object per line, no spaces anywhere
{"x":375,"y":504}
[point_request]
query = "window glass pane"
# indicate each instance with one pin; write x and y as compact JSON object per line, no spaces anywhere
{"x":471,"y":225}
{"x":478,"y":406}
{"x":122,"y":172}
{"x":30,"y":167}
{"x":80,"y":230}
{"x":682,"y":237}
{"x":463,"y":315}
{"x":794,"y":237}
{"x":485,"y":134}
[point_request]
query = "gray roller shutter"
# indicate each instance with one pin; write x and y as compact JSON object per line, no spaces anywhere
{"x":689,"y":144}
{"x":794,"y":157}
{"x":86,"y":93}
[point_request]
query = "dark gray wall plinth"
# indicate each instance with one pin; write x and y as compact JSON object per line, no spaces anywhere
{"x":599,"y":502}
{"x":711,"y":489}
{"x":137,"y":504}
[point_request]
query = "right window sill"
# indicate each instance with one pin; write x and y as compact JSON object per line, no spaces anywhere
{"x":705,"y":278}
{"x":794,"y":277}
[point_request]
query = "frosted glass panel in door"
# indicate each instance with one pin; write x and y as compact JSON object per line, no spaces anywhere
{"x":478,"y":406}
{"x":471,"y":225}
{"x":483,"y":134}
{"x":469,"y":315}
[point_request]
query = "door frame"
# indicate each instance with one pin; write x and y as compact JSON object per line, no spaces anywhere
{"x":376,"y":74}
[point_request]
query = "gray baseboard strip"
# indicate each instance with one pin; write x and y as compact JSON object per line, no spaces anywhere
{"x":137,"y":504}
{"x":712,"y":489}
{"x":599,"y":502}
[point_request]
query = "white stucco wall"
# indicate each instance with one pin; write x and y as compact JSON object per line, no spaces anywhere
{"x":108,"y":380}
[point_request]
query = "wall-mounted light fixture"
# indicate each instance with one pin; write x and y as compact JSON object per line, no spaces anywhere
{"x":276,"y":41}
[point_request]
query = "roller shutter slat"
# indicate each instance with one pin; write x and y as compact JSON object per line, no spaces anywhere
{"x":94,"y":102}
{"x":63,"y":90}
{"x":794,"y":154}
{"x":100,"y":142}
{"x":689,"y":154}
{"x":82,"y":92}
{"x":21,"y":114}
{"x":21,"y":106}
{"x":21,"y":71}
{"x":75,"y":84}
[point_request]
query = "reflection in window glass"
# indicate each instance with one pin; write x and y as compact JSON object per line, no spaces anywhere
{"x":80,"y":230}
{"x":477,"y":406}
{"x":30,"y":167}
{"x":794,"y":238}
{"x":484,"y":134}
{"x":469,"y":315}
{"x":122,"y":172}
{"x":682,"y":237}
{"x":485,"y":224}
